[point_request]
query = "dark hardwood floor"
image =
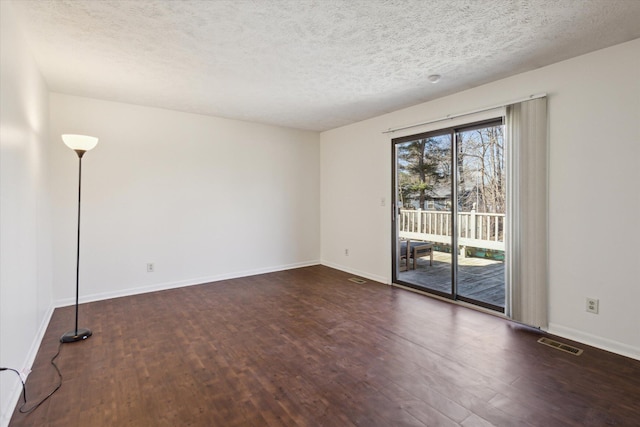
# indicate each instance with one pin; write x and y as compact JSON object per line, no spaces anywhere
{"x":307,"y":347}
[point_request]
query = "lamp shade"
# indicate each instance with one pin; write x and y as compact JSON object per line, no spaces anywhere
{"x":80,"y":142}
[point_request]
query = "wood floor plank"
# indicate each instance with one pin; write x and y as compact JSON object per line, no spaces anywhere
{"x":307,"y":347}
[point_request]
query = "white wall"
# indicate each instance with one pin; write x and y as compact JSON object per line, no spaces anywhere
{"x":203,"y":198}
{"x":25,"y":244}
{"x":594,"y":113}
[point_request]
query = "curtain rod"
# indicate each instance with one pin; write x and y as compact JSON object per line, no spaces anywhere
{"x":453,"y":116}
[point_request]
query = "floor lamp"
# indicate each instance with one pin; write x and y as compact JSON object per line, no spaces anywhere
{"x":80,"y":144}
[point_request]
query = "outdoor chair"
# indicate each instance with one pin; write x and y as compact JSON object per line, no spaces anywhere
{"x":415,"y":250}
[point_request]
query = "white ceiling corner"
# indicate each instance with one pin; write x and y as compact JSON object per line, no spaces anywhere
{"x":308,"y":64}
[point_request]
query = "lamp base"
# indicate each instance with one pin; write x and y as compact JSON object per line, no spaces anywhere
{"x":73,"y":336}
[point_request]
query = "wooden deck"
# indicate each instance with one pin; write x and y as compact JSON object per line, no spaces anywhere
{"x":478,"y":278}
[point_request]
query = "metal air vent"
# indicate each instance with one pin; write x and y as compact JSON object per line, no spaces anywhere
{"x":560,"y":346}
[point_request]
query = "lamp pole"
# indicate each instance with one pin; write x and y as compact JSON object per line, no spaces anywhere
{"x":80,"y":144}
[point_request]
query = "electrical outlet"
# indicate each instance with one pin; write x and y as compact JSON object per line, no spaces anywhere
{"x":383,"y":201}
{"x":592,"y":305}
{"x":346,"y":252}
{"x":150,"y":267}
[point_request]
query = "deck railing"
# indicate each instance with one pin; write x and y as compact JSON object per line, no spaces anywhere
{"x":479,"y":230}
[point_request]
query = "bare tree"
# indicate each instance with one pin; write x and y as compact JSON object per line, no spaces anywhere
{"x":481,"y":170}
{"x":425,"y":170}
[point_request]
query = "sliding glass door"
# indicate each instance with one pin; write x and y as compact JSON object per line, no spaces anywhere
{"x":449,"y":193}
{"x":423,"y":181}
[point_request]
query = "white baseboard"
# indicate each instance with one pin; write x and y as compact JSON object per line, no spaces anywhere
{"x":353,"y":271}
{"x":595,"y":341}
{"x":181,"y":283}
{"x":14,"y":395}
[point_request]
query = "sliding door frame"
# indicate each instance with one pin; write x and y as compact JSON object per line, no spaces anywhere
{"x":396,"y":211}
{"x":453,"y":131}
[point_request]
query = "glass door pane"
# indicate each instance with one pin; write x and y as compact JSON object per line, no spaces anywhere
{"x":423,"y":182}
{"x":449,"y":224}
{"x":481,"y":193}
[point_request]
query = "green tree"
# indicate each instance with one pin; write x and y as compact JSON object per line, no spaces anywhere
{"x":423,"y":164}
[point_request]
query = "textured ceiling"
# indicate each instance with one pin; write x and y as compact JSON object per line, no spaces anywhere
{"x":309,"y":64}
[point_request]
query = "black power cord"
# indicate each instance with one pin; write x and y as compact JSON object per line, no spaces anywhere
{"x":21,"y":409}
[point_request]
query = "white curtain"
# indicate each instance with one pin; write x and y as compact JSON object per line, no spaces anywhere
{"x":527,"y":261}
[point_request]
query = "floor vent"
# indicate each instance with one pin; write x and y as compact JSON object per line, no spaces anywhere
{"x":357,"y":280}
{"x":560,"y":346}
